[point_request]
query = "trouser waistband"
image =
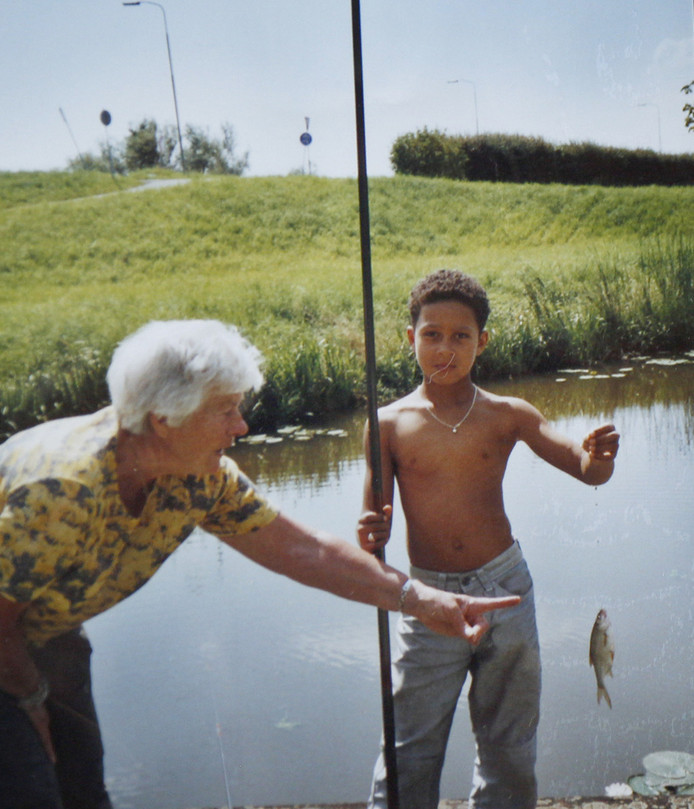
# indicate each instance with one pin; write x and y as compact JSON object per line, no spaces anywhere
{"x":487,"y":574}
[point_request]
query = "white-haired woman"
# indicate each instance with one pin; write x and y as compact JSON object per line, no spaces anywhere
{"x":93,"y":505}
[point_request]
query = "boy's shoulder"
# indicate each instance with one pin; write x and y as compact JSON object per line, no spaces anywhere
{"x":505,"y":408}
{"x":413,"y":401}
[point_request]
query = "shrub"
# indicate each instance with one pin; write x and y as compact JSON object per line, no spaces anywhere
{"x":520,"y":159}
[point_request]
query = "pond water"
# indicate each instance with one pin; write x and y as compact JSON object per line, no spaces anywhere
{"x":220,"y":683}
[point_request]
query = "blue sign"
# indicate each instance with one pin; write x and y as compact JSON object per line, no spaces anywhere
{"x":306,"y":138}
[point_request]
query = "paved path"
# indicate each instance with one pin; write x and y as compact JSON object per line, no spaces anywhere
{"x":163,"y":183}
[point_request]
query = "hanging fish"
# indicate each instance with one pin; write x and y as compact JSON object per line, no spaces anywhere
{"x":602,"y":653}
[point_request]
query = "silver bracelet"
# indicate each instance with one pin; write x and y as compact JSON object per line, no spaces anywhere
{"x":37,"y":698}
{"x":403,"y":594}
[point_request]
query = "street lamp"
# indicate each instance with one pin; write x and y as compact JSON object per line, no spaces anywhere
{"x":657,"y":108}
{"x":173,"y":83}
{"x":474,"y":95}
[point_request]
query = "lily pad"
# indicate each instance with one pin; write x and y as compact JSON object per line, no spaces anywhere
{"x":640,"y":787}
{"x":667,"y":361}
{"x":669,"y":767}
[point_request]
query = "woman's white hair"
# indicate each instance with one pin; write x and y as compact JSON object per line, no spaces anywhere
{"x":169,"y":367}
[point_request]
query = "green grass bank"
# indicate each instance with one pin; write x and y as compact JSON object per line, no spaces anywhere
{"x":576,"y":275}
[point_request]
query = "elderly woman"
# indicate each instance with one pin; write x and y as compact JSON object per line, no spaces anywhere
{"x":93,"y":505}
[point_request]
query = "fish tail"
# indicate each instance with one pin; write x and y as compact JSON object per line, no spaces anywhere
{"x":602,"y":692}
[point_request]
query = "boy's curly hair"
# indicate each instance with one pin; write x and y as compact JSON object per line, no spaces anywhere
{"x":450,"y":285}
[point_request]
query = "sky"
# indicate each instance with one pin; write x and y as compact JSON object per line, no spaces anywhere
{"x":605,"y":71}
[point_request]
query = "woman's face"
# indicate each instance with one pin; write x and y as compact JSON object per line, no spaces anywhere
{"x":196,"y":446}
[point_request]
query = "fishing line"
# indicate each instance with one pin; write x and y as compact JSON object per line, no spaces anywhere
{"x":441,"y":370}
{"x":221,"y":752}
{"x":218,"y":728}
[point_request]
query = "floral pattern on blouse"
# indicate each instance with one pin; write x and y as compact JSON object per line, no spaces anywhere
{"x":69,"y":547}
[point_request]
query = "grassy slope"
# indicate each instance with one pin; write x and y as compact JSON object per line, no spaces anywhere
{"x":281,"y":256}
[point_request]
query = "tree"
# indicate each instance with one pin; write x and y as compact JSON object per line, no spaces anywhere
{"x":429,"y":153}
{"x":167,"y":142}
{"x":207,"y":155}
{"x":110,"y":158}
{"x":688,"y":89}
{"x":141,"y":147}
{"x":147,"y":146}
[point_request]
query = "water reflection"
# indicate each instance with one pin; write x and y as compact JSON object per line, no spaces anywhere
{"x":310,"y":463}
{"x":219,"y":678}
{"x":639,"y":386}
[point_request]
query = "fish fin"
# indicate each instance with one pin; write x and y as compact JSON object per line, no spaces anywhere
{"x":602,"y":692}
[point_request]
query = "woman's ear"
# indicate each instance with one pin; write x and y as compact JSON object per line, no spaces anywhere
{"x":410,"y":335}
{"x":158,"y":424}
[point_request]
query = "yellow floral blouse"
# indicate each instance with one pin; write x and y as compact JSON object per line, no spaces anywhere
{"x":69,"y":547}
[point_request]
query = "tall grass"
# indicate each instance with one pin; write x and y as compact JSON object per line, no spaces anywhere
{"x":574,"y":276}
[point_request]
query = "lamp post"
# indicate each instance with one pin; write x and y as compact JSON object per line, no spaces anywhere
{"x":657,"y":109}
{"x":474,"y":95}
{"x":173,"y":83}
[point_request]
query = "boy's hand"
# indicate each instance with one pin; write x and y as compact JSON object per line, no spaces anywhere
{"x":373,"y":529}
{"x":452,"y":614}
{"x":602,"y":444}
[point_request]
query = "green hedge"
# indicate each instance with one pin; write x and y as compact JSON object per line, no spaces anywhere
{"x":520,"y":159}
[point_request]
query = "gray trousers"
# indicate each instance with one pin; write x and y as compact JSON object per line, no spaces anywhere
{"x":429,"y":671}
{"x":28,"y":780}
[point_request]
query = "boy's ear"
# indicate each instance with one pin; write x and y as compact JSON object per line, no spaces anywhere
{"x":482,"y":342}
{"x":410,"y":335}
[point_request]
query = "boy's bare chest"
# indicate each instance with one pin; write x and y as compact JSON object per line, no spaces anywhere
{"x":433,"y":450}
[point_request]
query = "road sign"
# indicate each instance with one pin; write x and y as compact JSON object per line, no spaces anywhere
{"x":305,"y":138}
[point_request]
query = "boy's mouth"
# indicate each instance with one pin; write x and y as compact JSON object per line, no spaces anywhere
{"x":443,"y":367}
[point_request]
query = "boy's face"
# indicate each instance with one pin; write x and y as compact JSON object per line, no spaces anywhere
{"x":446,"y":341}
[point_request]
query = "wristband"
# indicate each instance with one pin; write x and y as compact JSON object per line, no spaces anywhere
{"x":403,"y":594}
{"x":37,"y":698}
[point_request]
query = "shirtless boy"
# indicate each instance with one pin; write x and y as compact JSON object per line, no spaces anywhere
{"x":447,"y":444}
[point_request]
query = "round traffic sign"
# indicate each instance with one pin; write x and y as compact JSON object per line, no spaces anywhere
{"x":305,"y":138}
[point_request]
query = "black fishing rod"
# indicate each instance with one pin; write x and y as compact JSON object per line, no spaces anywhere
{"x":374,"y":434}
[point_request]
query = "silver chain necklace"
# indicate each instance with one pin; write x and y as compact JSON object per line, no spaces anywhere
{"x":454,"y":427}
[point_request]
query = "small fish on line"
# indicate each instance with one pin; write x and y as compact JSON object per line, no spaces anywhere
{"x":602,"y":653}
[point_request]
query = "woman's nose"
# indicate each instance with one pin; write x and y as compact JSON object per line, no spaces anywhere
{"x":240,"y":426}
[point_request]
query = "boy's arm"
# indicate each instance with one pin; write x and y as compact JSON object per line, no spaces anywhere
{"x":373,"y":528}
{"x":591,"y":462}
